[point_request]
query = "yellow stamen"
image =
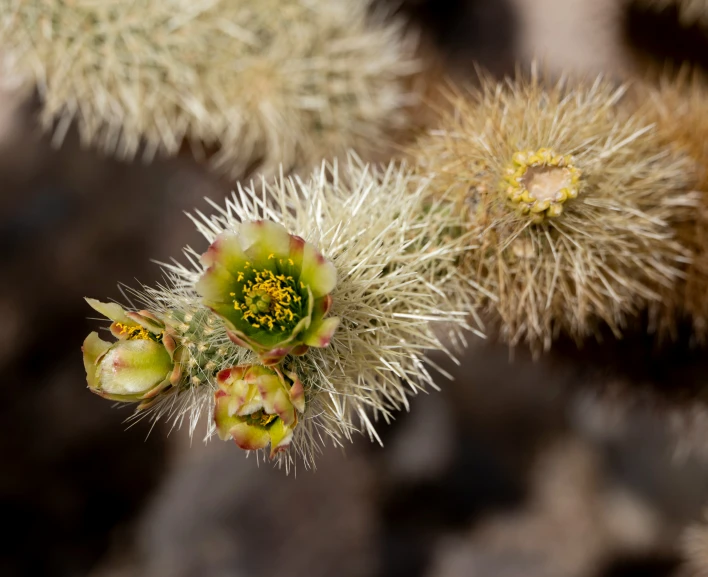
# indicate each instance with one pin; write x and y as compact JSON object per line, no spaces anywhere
{"x":540,"y":182}
{"x":135,"y":333}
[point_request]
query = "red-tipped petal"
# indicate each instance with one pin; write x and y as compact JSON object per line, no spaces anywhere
{"x":249,"y":437}
{"x":323,"y":334}
{"x":263,"y":240}
{"x":226,"y":376}
{"x":317,"y":272}
{"x":273,"y":357}
{"x":225,"y":250}
{"x":299,"y":350}
{"x":297,"y":250}
{"x":297,"y":392}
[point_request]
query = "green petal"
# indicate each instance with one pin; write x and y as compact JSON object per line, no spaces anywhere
{"x":296,"y":251}
{"x":93,"y":348}
{"x":232,"y":316}
{"x":216,"y":284}
{"x":320,"y":331}
{"x":223,"y":420}
{"x":321,"y":334}
{"x":263,"y":240}
{"x":133,"y":367}
{"x":280,"y":437}
{"x":317,"y":272}
{"x":112,"y":311}
{"x":259,"y":341}
{"x":226,"y":251}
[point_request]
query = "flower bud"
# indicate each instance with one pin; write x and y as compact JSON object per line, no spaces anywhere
{"x":139,"y":365}
{"x":257,"y":405}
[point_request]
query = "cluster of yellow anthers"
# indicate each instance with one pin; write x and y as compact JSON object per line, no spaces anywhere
{"x":268,"y":299}
{"x":135,"y":333}
{"x":539,"y":182}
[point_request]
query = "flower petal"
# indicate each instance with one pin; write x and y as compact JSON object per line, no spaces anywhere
{"x":321,"y":334}
{"x":215,"y":284}
{"x":92,"y":349}
{"x":297,"y":392}
{"x":112,"y":311}
{"x":154,"y":326}
{"x":133,"y":367}
{"x":274,"y":356}
{"x":317,"y":272}
{"x":250,"y":437}
{"x":240,"y":339}
{"x":261,"y":239}
{"x":225,"y":377}
{"x":222,"y":419}
{"x":276,"y":400}
{"x":249,"y":403}
{"x":299,"y":350}
{"x":280,"y":437}
{"x":226,"y":251}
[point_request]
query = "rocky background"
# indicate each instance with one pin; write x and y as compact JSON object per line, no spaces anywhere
{"x":515,"y":470}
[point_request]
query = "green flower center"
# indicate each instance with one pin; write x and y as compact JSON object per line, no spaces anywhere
{"x":268,"y":300}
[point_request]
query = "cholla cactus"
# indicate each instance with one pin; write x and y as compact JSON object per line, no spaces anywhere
{"x":569,"y":199}
{"x":679,"y":108}
{"x":370,"y":256}
{"x":690,"y":11}
{"x":262,"y":82}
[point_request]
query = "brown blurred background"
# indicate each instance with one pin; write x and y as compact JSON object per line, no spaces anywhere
{"x":513,"y":470}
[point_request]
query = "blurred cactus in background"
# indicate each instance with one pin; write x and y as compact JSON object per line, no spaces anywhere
{"x":569,"y":196}
{"x":257,"y":83}
{"x":690,"y":11}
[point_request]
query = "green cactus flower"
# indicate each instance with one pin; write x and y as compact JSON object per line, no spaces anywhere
{"x":271,"y":288}
{"x":139,"y":365}
{"x":257,"y":405}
